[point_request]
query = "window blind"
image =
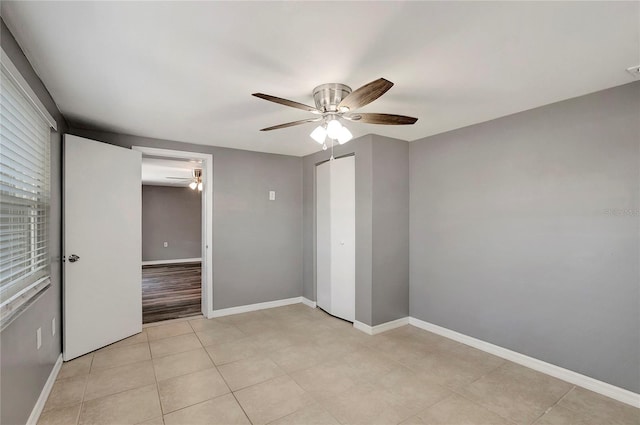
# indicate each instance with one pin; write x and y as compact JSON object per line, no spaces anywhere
{"x":24,"y":196}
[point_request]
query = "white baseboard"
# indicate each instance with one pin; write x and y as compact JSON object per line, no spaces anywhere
{"x":570,"y":376}
{"x":383,"y":327}
{"x":308,"y":302}
{"x":254,"y":307}
{"x":176,"y":261}
{"x":44,"y":394}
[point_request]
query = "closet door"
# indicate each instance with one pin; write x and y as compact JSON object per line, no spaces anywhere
{"x":343,"y":238}
{"x":335,"y":238}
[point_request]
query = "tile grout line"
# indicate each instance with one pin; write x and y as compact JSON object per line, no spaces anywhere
{"x":155,"y":376}
{"x":554,"y":405}
{"x":215,"y":366}
{"x":118,"y":392}
{"x":84,"y":391}
{"x":229,"y":387}
{"x":487,"y":408}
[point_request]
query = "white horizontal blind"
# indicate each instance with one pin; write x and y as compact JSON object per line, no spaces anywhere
{"x":24,"y":193}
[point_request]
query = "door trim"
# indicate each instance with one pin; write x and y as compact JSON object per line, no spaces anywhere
{"x":207,"y":216}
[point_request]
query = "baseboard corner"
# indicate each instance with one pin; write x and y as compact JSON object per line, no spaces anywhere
{"x":363,"y":327}
{"x":383,"y":327}
{"x":308,"y":302}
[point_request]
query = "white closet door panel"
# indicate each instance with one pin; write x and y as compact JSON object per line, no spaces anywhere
{"x":343,"y":237}
{"x":323,"y":237}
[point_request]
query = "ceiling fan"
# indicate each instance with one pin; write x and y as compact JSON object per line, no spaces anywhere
{"x":334,"y":102}
{"x":196,"y":180}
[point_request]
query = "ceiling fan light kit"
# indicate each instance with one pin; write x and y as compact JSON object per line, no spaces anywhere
{"x":319,"y":134}
{"x":196,"y":180}
{"x":344,"y":135}
{"x":333,"y":128}
{"x":335,"y":101}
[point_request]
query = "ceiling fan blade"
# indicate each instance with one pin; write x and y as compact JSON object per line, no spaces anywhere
{"x":385,"y":119}
{"x":287,"y":102}
{"x":291,"y":124}
{"x":365,"y":94}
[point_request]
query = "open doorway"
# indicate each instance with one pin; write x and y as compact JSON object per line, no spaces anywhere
{"x":177,"y":232}
{"x":171,"y":238}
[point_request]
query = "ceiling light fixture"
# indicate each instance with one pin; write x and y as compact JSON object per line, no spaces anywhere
{"x":333,"y":128}
{"x":319,"y":134}
{"x":335,"y":102}
{"x":344,"y":135}
{"x":196,"y":183}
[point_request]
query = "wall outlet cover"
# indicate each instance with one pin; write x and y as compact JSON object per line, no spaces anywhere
{"x":39,"y":338}
{"x":272,"y":195}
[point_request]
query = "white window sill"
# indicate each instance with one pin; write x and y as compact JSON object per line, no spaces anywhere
{"x":12,"y":307}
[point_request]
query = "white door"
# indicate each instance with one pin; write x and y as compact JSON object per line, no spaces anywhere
{"x":343,"y":238}
{"x":335,"y":226}
{"x":102,"y":295}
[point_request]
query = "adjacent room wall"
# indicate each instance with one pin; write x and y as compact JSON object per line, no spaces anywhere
{"x":172,"y":215}
{"x":23,"y":368}
{"x":524,"y":233}
{"x":257,"y":243}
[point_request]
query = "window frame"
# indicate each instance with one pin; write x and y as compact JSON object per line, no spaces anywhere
{"x":19,"y":301}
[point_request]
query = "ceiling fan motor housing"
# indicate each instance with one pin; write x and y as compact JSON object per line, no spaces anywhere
{"x":328,"y":96}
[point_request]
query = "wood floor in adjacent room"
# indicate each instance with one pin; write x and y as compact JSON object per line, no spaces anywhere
{"x":171,"y":291}
{"x":298,"y":365}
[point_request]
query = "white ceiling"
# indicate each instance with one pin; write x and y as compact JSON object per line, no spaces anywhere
{"x":186,"y":70}
{"x":155,"y":171}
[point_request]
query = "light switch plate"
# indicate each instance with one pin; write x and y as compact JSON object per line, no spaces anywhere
{"x":53,"y":327}
{"x":166,"y":244}
{"x":272,"y":195}
{"x":39,"y":338}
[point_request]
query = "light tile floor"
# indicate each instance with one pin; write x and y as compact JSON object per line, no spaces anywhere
{"x":297,"y":365}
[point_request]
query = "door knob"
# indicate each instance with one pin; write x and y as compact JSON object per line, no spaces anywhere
{"x":73,"y":258}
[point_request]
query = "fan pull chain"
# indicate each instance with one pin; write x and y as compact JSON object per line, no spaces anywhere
{"x":332,"y":158}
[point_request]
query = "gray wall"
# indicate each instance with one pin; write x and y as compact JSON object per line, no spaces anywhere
{"x":257,"y":243}
{"x":524,"y":233}
{"x":172,"y":215}
{"x":390,"y":226}
{"x":382,"y":226}
{"x":23,"y":368}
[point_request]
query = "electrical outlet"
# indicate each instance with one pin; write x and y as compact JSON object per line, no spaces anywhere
{"x":166,"y":244}
{"x":39,"y":338}
{"x":53,"y":327}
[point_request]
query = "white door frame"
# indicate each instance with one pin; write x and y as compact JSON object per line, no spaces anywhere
{"x":207,"y":216}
